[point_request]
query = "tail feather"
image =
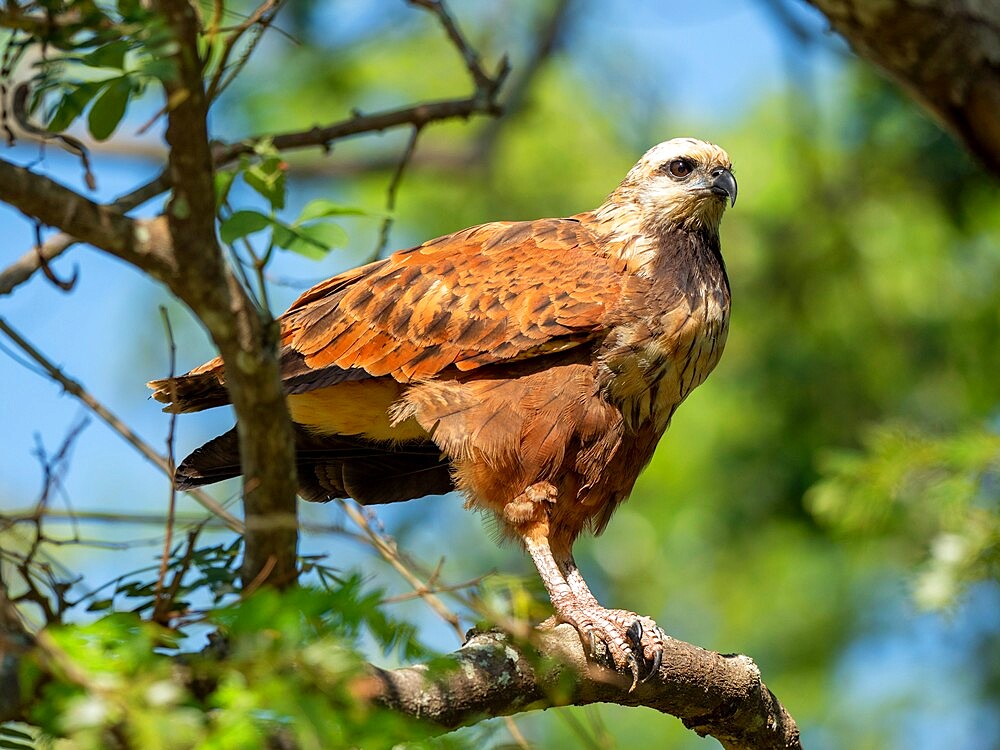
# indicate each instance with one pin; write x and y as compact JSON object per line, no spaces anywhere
{"x":216,"y":460}
{"x":191,"y":392}
{"x":332,"y":467}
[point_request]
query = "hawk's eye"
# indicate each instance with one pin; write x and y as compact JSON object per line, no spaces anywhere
{"x":679,"y":168}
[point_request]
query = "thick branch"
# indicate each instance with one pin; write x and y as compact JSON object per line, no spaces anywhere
{"x":24,"y":267}
{"x":141,"y":243}
{"x":247,"y":339}
{"x":945,"y":54}
{"x":712,"y":694}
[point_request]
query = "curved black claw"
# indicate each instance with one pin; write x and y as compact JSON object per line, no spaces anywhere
{"x":654,"y":668}
{"x":634,"y":634}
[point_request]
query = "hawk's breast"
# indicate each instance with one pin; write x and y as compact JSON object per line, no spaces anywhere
{"x":657,"y":361}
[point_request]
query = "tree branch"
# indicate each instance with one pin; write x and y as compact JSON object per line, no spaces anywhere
{"x":548,"y":36}
{"x":76,"y":389}
{"x":247,"y":338}
{"x":482,"y":81}
{"x":143,"y":243}
{"x":24,"y":267}
{"x":713,"y":694}
{"x":945,"y":54}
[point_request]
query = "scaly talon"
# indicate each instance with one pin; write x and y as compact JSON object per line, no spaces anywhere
{"x":631,"y":641}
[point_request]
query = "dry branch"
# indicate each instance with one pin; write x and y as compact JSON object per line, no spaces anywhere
{"x":713,"y":694}
{"x":76,"y":389}
{"x":945,"y":54}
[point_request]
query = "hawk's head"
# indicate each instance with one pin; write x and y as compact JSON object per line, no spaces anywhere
{"x":682,"y":182}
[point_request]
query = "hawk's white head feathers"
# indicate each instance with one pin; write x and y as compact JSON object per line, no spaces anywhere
{"x":683,"y":182}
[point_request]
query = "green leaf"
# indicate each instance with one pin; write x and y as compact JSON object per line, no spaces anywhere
{"x":111,"y":55}
{"x":322,"y":208}
{"x":160,"y":68}
{"x":101,"y":605}
{"x":108,"y":110}
{"x":311,"y":240}
{"x":242,"y":223}
{"x":223,"y":182}
{"x":72,"y":105}
{"x":326,"y":233}
{"x":267,"y":178}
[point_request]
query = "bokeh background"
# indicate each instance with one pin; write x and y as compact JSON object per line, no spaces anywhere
{"x":826,"y":502}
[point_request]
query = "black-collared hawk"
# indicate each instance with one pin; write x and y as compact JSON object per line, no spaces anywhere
{"x":533,"y":366}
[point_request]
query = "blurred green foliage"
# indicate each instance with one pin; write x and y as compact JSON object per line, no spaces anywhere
{"x":285,"y":665}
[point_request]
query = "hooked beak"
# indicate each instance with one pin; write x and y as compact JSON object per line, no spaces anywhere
{"x":723,"y":184}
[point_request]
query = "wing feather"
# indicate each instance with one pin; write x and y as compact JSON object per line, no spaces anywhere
{"x":505,"y":291}
{"x":481,"y":296}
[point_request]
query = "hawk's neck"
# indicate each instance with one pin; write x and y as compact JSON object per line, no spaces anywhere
{"x":658,"y":252}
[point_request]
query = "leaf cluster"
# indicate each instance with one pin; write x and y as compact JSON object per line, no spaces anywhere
{"x":281,"y":666}
{"x":94,"y":59}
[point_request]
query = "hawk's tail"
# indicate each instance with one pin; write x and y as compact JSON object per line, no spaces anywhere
{"x":334,"y":466}
{"x":192,"y":392}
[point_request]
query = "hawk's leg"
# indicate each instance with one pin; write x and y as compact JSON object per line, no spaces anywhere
{"x":628,"y":636}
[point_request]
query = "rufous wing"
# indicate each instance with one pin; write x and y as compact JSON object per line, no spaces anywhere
{"x":491,"y":293}
{"x":497,"y":292}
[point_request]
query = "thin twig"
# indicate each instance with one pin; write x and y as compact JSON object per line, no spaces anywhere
{"x":433,"y":589}
{"x":262,"y":575}
{"x":390,"y":199}
{"x":387,"y":549}
{"x":386,"y":546}
{"x":262,"y":15}
{"x":469,"y":55}
{"x":76,"y":389}
{"x":515,"y":733}
{"x":161,"y":612}
{"x":168,"y":539}
{"x":547,"y":39}
{"x":65,"y":286}
{"x":158,"y":519}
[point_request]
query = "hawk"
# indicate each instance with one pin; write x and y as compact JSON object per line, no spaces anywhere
{"x":532,"y":365}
